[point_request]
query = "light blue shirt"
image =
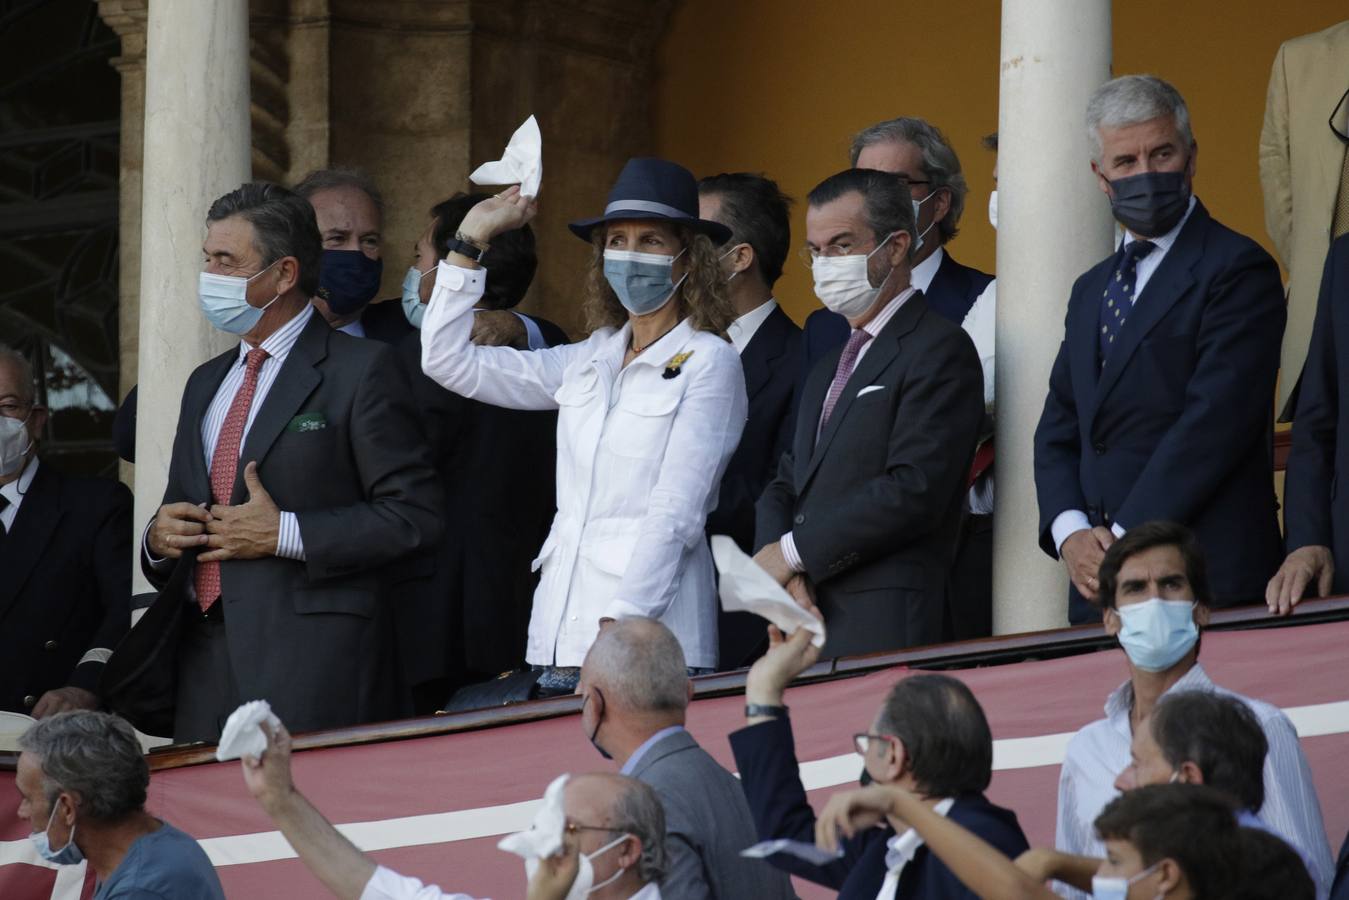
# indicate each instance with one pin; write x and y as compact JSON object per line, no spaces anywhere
{"x":163,"y":865}
{"x":647,"y":745}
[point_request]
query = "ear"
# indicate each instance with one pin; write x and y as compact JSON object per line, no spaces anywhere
{"x":68,"y":810}
{"x":899,"y":247}
{"x":287,"y":274}
{"x":1201,"y":615}
{"x":630,"y":852}
{"x":1111,"y":620}
{"x":689,"y":685}
{"x":1169,"y":876}
{"x":941,"y":206}
{"x":742,"y":257}
{"x":1190,"y":773}
{"x":1101,"y":181}
{"x":1194,"y":157}
{"x":39,"y":421}
{"x":899,"y":762}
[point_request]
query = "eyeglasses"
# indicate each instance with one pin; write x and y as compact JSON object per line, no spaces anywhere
{"x":575,"y":828}
{"x":862,"y":742}
{"x":808,"y":254}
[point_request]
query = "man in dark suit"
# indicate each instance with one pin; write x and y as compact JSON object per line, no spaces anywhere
{"x":465,"y":620}
{"x":1160,"y":401}
{"x":865,"y":507}
{"x":636,"y":693}
{"x":1317,"y":517}
{"x":65,"y":550}
{"x":769,"y":343}
{"x":298,"y":474}
{"x":914,"y":148}
{"x":929,"y":737}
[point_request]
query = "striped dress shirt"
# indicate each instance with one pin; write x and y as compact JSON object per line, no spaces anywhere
{"x":1100,"y":751}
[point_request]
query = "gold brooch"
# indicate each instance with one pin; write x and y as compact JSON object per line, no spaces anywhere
{"x":672,"y":368}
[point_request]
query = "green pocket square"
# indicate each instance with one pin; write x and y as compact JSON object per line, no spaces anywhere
{"x":307,"y":422}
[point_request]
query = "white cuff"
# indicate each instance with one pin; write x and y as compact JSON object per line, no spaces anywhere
{"x":1066,"y":523}
{"x":536,"y":341}
{"x":1118,"y":529}
{"x":157,"y":563}
{"x":289,"y":543}
{"x":787,"y":544}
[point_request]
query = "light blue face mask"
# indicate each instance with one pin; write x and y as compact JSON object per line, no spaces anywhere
{"x":224,"y":301}
{"x":641,"y":280}
{"x":1157,"y":633}
{"x":69,"y":855}
{"x":413,"y":307}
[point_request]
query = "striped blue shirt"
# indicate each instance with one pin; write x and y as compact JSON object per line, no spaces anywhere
{"x":289,"y":544}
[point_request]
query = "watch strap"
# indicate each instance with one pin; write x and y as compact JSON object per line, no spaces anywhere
{"x":753,"y":710}
{"x":464,"y":248}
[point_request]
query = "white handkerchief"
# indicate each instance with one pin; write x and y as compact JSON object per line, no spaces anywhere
{"x":544,"y":837}
{"x":521,"y":164}
{"x":745,"y":587}
{"x":800,"y":849}
{"x":242,"y":735}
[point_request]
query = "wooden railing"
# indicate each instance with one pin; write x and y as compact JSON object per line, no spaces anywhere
{"x":965,"y":654}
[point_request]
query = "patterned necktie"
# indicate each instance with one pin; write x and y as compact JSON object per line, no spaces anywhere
{"x":846,"y":363}
{"x":1118,"y":300}
{"x":225,"y":465}
{"x":1339,"y":223}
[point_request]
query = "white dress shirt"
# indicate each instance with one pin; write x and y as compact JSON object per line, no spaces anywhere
{"x":900,"y":851}
{"x":743,"y":329}
{"x":1100,"y":751}
{"x":353,"y":328}
{"x":639,"y":460}
{"x":387,"y":884}
{"x":923,"y":273}
{"x":873,"y":328}
{"x":289,"y":543}
{"x":14,"y":492}
{"x":1071,"y":521}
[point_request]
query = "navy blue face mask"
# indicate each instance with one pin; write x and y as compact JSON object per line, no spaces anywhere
{"x":348,"y":280}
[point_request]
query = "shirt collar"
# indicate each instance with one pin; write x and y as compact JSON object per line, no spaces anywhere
{"x":878,"y":323}
{"x":900,"y":849}
{"x":649,"y":891}
{"x":15,"y":489}
{"x":353,"y":328}
{"x":1121,"y":701}
{"x":279,"y":343}
{"x":743,"y":329}
{"x":647,"y":745}
{"x":925,"y":271}
{"x":1164,"y":242}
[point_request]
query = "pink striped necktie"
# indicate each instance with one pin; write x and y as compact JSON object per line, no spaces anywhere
{"x":846,"y":363}
{"x":225,"y":465}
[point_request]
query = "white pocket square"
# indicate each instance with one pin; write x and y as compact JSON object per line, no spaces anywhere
{"x":869,"y":388}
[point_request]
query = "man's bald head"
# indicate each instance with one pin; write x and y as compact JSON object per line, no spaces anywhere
{"x":640,"y":666}
{"x":623,"y":806}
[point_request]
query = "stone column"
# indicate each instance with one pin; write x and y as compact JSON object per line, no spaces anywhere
{"x":196,"y":147}
{"x":1053,"y":224}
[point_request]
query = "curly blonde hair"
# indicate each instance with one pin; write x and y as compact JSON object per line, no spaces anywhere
{"x":702,"y":296}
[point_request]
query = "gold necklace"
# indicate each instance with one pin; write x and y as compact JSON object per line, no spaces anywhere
{"x":640,"y":350}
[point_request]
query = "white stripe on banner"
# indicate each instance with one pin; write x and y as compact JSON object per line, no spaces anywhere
{"x":467,"y":824}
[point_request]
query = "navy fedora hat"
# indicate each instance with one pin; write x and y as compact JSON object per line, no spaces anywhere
{"x":655,"y":189}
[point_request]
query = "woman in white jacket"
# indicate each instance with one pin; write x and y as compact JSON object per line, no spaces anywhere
{"x":651,"y":407}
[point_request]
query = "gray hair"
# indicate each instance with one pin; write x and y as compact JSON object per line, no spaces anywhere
{"x":941,"y":166}
{"x":328,"y":179}
{"x":886,"y":203}
{"x":641,"y":665}
{"x":637,"y":811}
{"x":27,"y":384}
{"x":93,"y":755}
{"x":283,"y":225}
{"x":1131,"y":99}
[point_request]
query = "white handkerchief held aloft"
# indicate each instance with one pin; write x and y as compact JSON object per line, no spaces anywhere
{"x":800,"y":849}
{"x":544,"y":837}
{"x":243,"y":735}
{"x":745,"y":587}
{"x":521,"y":164}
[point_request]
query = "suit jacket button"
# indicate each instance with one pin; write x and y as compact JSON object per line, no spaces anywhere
{"x":1099,"y":448}
{"x":49,"y":646}
{"x":800,"y":519}
{"x":29,"y":701}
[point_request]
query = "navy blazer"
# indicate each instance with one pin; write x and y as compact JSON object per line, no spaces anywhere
{"x":1316,"y":514}
{"x":1178,"y":425}
{"x":766,"y":757}
{"x":951,"y":294}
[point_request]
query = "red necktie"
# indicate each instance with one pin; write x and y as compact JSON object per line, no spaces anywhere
{"x":846,"y":363}
{"x":225,"y":465}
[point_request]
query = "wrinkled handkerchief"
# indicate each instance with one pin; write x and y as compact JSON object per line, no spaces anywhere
{"x":745,"y":587}
{"x":800,"y":849}
{"x":544,"y":837}
{"x":521,"y":164}
{"x":242,"y":735}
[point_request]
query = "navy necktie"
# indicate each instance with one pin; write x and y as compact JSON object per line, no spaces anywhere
{"x":1118,"y":300}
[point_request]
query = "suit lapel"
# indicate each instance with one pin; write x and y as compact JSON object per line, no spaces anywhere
{"x":37,"y":519}
{"x":763,"y":350}
{"x":1083,"y":352}
{"x":294,"y":383}
{"x":1166,"y":286}
{"x":884,"y":349}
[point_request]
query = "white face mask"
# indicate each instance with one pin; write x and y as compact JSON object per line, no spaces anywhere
{"x":842,"y":283}
{"x":15,"y":442}
{"x":1104,"y":887}
{"x":993,"y":208}
{"x":584,"y":884}
{"x":917,"y":208}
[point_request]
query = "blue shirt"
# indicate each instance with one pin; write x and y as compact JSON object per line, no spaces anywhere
{"x":647,"y":745}
{"x":163,"y":865}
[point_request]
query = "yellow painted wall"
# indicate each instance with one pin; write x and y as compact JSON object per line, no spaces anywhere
{"x":780,"y":86}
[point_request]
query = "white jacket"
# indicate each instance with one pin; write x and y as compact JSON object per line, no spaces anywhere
{"x":639,"y":460}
